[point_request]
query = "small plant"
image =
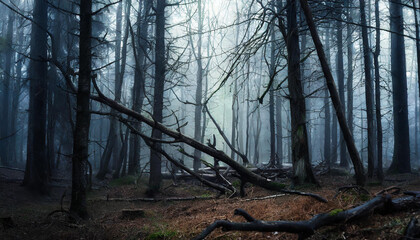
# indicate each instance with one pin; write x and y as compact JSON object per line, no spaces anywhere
{"x":335,"y":212}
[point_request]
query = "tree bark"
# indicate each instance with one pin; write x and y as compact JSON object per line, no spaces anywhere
{"x":368,"y":91}
{"x":354,"y":155}
{"x":401,"y":159}
{"x":199,"y":90}
{"x":112,"y":145}
{"x":379,"y":171}
{"x":139,"y":82}
{"x":36,"y":174}
{"x":81,"y":134}
{"x":340,"y":79}
{"x":155,"y":157}
{"x":302,"y":169}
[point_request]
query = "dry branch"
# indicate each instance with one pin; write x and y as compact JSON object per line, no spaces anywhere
{"x":171,"y":199}
{"x":381,"y":203}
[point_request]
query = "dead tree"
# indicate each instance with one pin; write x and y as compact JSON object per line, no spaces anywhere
{"x":351,"y":147}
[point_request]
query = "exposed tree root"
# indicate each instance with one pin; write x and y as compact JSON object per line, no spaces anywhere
{"x":381,"y":203}
{"x":360,"y":190}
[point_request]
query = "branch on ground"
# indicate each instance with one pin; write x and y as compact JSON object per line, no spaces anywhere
{"x":381,"y":203}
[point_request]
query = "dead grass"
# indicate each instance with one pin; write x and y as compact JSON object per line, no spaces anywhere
{"x":183,"y":220}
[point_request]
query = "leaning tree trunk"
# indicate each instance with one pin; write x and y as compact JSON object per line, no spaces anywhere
{"x":302,"y":169}
{"x":401,"y":159}
{"x":351,"y":147}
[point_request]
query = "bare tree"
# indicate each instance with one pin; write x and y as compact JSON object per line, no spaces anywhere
{"x":81,"y":134}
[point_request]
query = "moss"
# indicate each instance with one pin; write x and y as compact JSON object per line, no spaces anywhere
{"x":126,"y":180}
{"x":364,"y":197}
{"x":161,"y":234}
{"x":335,"y":212}
{"x":205,"y":195}
{"x":300,"y":131}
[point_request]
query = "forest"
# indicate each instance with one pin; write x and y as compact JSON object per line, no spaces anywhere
{"x":209,"y":119}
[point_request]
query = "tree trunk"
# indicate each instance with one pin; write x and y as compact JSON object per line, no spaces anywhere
{"x":340,"y":80}
{"x":302,"y":169}
{"x":199,"y":90}
{"x":5,"y":119}
{"x":379,"y":171}
{"x":416,"y":25}
{"x":81,"y":134}
{"x":36,"y":174}
{"x":368,"y":90}
{"x":354,"y":155}
{"x":327,"y":125}
{"x":349,"y":67}
{"x":401,"y":159}
{"x":139,"y":83}
{"x":113,"y":136}
{"x":155,"y":157}
{"x":272,"y":69}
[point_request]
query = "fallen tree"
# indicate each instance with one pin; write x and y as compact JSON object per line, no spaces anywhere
{"x":381,"y":203}
{"x":245,"y":174}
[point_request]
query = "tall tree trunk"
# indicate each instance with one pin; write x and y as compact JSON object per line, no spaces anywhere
{"x":279,"y":129}
{"x":112,"y":145}
{"x":379,"y":171}
{"x":81,"y":133}
{"x":139,"y":83}
{"x":349,"y":67}
{"x":354,"y":155}
{"x":5,"y":155}
{"x":416,"y":24}
{"x":401,"y":159}
{"x":36,"y":174}
{"x":302,"y":169}
{"x":272,"y":69}
{"x":327,"y":125}
{"x":199,"y":90}
{"x":235,"y":102}
{"x":15,"y":103}
{"x":340,"y":79}
{"x":155,"y":157}
{"x":368,"y":90}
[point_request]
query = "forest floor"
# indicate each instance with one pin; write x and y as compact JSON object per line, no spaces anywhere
{"x":186,"y":219}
